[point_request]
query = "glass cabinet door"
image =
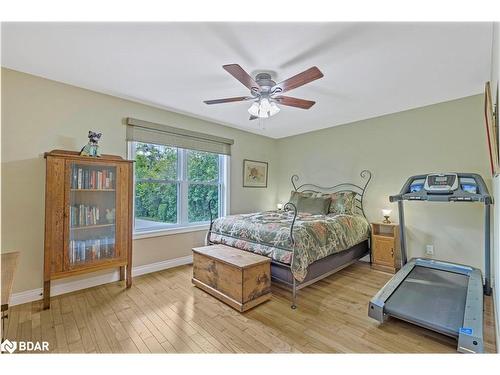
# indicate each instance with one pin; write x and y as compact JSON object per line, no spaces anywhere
{"x":92,"y":214}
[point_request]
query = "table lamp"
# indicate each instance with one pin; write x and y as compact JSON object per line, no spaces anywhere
{"x":386,"y":213}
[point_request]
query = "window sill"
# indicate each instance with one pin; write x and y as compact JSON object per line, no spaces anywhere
{"x":170,"y":231}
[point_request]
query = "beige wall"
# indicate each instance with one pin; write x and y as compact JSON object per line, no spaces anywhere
{"x":39,"y":115}
{"x":495,"y":60}
{"x":443,"y":137}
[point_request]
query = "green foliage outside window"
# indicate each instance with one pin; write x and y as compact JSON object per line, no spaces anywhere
{"x":155,"y":162}
{"x":157,"y":183}
{"x":198,"y":197}
{"x":202,"y":166}
{"x":156,"y":202}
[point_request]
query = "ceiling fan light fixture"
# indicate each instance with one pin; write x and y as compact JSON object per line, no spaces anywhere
{"x":265,"y":106}
{"x":254,"y":109}
{"x":263,"y":114}
{"x":273,"y":109}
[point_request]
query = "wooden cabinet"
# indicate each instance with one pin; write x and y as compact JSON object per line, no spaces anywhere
{"x":385,"y":247}
{"x":88,"y":216}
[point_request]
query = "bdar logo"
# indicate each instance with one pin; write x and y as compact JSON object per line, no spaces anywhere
{"x":8,"y":346}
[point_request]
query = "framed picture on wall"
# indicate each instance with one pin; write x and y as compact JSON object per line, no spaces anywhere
{"x":254,"y":173}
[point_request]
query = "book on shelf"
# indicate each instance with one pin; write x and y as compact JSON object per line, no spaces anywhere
{"x":91,"y":249}
{"x":92,"y":178}
{"x":82,"y":215}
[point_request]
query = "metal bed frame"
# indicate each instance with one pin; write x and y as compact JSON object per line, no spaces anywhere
{"x":362,"y":249}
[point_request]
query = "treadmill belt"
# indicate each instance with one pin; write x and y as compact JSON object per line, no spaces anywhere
{"x":431,"y":298}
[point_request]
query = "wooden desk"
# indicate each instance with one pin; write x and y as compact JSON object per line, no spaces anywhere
{"x":9,"y":264}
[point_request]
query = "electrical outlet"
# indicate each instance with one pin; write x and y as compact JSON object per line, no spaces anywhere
{"x":429,"y":249}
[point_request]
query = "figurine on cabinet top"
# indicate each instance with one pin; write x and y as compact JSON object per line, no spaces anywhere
{"x":92,"y":147}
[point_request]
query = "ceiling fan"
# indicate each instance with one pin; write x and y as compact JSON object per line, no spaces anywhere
{"x":266,"y":93}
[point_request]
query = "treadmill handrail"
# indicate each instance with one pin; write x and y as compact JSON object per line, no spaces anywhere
{"x":395,"y":198}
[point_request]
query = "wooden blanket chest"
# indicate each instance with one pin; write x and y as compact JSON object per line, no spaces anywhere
{"x":236,"y":277}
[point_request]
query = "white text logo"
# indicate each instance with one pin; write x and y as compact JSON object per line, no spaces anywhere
{"x":24,"y":346}
{"x":8,"y":346}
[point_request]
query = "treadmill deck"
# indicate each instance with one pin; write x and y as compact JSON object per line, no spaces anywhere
{"x":442,"y":296}
{"x":431,"y":298}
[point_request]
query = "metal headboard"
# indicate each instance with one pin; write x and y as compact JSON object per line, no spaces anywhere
{"x":359,"y":190}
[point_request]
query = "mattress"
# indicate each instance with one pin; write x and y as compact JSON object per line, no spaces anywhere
{"x":268,"y":233}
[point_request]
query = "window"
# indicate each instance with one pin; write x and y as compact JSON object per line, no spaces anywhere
{"x":173,"y":186}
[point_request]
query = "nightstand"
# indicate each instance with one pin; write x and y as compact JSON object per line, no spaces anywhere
{"x":385,"y":247}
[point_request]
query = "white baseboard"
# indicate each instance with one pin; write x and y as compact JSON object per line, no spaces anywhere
{"x":61,"y":287}
{"x":163,"y":265}
{"x":26,"y":296}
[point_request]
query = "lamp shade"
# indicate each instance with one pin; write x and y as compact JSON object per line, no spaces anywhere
{"x":386,"y":212}
{"x":273,"y":109}
{"x":254,"y":109}
{"x":265,"y":106}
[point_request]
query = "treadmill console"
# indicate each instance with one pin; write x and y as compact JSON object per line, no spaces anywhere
{"x":444,"y":187}
{"x":441,"y":183}
{"x":417,"y":185}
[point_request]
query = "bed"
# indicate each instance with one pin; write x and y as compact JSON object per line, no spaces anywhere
{"x":303,"y":247}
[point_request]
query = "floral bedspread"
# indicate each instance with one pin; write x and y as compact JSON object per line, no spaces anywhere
{"x":268,"y":233}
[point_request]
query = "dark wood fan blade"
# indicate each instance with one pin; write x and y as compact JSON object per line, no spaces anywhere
{"x":253,"y":117}
{"x":294,"y":102}
{"x":300,"y":79}
{"x":237,"y":72}
{"x":228,"y":100}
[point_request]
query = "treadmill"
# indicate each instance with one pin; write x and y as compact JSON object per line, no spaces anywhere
{"x":442,"y":296}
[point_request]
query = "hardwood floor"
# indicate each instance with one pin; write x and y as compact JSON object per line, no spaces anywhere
{"x":164,"y":313}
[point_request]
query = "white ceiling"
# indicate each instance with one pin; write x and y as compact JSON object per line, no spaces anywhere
{"x":370,"y":69}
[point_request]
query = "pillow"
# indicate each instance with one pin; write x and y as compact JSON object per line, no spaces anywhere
{"x":313,"y":205}
{"x":294,"y":196}
{"x":343,"y":202}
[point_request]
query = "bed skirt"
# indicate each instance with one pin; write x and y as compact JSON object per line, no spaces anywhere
{"x":322,"y":267}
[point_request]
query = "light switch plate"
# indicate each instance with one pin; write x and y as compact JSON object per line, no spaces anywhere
{"x":429,"y":249}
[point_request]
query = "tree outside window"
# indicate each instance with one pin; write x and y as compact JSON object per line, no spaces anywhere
{"x":173,"y":186}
